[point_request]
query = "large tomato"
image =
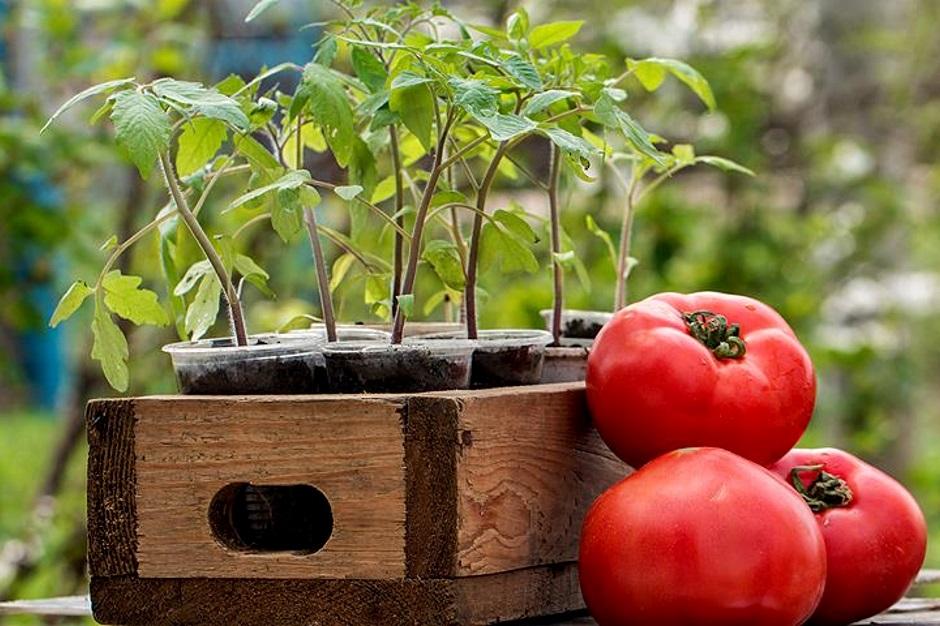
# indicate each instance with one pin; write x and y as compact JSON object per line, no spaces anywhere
{"x":701,"y":536}
{"x":706,"y":369}
{"x":875,"y":533}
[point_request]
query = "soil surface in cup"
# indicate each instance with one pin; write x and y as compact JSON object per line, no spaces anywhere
{"x":580,"y":327}
{"x":395,"y":371}
{"x":268,"y":374}
{"x":503,"y":366}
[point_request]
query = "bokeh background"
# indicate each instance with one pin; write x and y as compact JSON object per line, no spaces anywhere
{"x":834,"y":103}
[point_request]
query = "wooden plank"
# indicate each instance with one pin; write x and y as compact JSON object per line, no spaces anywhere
{"x":430,"y":471}
{"x":188,"y":448}
{"x":72,"y":606}
{"x":112,"y":481}
{"x":472,"y":601}
{"x":530,"y":465}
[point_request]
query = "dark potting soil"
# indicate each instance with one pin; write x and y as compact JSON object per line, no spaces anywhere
{"x":394,"y":371}
{"x":580,"y":328}
{"x":270,"y":376}
{"x":505,"y":366}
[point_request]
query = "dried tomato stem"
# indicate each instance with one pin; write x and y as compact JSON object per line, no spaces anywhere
{"x":825,"y":492}
{"x":716,"y":334}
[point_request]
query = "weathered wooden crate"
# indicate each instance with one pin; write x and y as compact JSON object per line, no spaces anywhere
{"x":446,"y":508}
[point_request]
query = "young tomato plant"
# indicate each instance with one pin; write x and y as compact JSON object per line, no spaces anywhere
{"x":179,"y":127}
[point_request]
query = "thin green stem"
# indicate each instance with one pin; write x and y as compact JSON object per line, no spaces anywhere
{"x":558,"y":271}
{"x":399,"y":244}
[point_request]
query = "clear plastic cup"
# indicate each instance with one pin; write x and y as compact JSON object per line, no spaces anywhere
{"x":504,"y":357}
{"x":578,"y":325}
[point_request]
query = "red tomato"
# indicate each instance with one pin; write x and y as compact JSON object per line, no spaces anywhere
{"x":875,"y":533}
{"x":706,"y":369}
{"x":701,"y":536}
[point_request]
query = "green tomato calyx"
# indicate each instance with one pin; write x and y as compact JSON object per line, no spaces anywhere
{"x":716,"y":334}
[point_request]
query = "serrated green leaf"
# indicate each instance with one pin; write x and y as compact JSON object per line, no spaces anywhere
{"x":70,"y":302}
{"x":203,"y":100}
{"x":570,"y":144}
{"x":142,"y":128}
{"x":554,"y":33}
{"x":612,"y":116}
{"x":260,"y":8}
{"x":324,"y":97}
{"x":651,"y":73}
{"x":110,"y":349}
{"x":369,"y":69}
{"x":725,"y":164}
{"x":348,"y":192}
{"x":516,"y":225}
{"x":503,"y":126}
{"x":523,"y":71}
{"x":408,"y":79}
{"x":542,"y":101}
{"x":445,"y":260}
{"x":256,"y":154}
{"x":92,"y":91}
{"x":286,"y":213}
{"x":506,"y":241}
{"x":198,"y":144}
{"x":124,"y":297}
{"x":204,"y":309}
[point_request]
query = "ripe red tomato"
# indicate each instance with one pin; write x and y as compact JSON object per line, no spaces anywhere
{"x":701,"y":536}
{"x":875,"y":533}
{"x":706,"y":369}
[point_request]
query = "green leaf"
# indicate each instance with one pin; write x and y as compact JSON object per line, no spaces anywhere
{"x":506,"y":241}
{"x":406,"y":302}
{"x":444,"y":258}
{"x":286,"y":214}
{"x":326,"y":100}
{"x":205,"y":101}
{"x":340,"y":268}
{"x":348,"y":192}
{"x":651,"y":73}
{"x":260,"y":8}
{"x":475,"y":97}
{"x":124,"y":297}
{"x":110,"y":349}
{"x":384,"y":190}
{"x":725,"y":164}
{"x":542,"y":101}
{"x":570,"y":144}
{"x":504,"y":127}
{"x":92,"y":91}
{"x":523,"y":71}
{"x":601,"y":234}
{"x":612,"y":116}
{"x":198,"y":144}
{"x":684,"y":153}
{"x":518,"y":24}
{"x":253,"y":273}
{"x":415,"y":106}
{"x":70,"y":302}
{"x":204,"y":309}
{"x":256,"y":154}
{"x":293,"y":179}
{"x":408,"y":79}
{"x":142,"y":128}
{"x":192,"y":276}
{"x":369,"y":69}
{"x":516,"y":225}
{"x":554,"y":33}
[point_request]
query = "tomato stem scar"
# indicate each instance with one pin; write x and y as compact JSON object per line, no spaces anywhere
{"x":825,"y":492}
{"x":716,"y":334}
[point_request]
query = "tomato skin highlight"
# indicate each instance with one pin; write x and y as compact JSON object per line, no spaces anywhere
{"x":652,"y":387}
{"x":701,"y":536}
{"x":875,"y":545}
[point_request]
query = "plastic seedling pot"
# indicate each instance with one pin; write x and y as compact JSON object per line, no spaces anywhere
{"x":270,"y":365}
{"x":566,"y":363}
{"x":413,"y":367}
{"x":504,"y":358}
{"x":579,"y":326}
{"x":317,"y":332}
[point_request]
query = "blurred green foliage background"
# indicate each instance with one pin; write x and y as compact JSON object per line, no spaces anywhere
{"x":834,"y":103}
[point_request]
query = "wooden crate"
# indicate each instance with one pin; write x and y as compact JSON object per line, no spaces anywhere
{"x":447,"y":508}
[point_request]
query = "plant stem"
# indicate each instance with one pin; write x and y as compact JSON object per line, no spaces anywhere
{"x":397,"y":258}
{"x":623,"y":256}
{"x":236,"y":317}
{"x":310,"y":220}
{"x":470,"y":296}
{"x":323,"y":280}
{"x":398,"y":327}
{"x":557,"y":270}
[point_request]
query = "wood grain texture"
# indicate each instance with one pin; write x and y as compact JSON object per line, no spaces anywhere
{"x":431,"y":479}
{"x":474,"y":601}
{"x":188,"y":448}
{"x":112,"y":480}
{"x":530,"y":465}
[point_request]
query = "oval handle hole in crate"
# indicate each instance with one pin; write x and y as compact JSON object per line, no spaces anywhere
{"x":271,"y":518}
